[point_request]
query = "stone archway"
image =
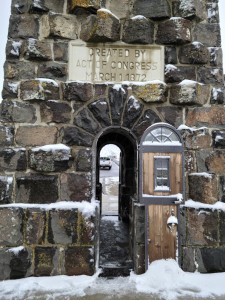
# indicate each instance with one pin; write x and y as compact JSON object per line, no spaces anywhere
{"x":116,"y":242}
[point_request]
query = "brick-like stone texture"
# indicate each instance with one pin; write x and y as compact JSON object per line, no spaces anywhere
{"x":6,"y":188}
{"x":35,"y":226}
{"x":44,"y":261}
{"x":150,"y":92}
{"x":84,"y":160}
{"x":206,"y":116}
{"x":11,"y":226}
{"x":79,"y":261}
{"x":202,"y":32}
{"x":75,"y":187}
{"x":203,"y":187}
{"x":6,"y":135}
{"x":152,"y":9}
{"x":85,"y":120}
{"x":132,"y":111}
{"x":57,"y":112}
{"x":13,"y":159}
{"x":78,"y":91}
{"x":36,"y":135}
{"x":215,"y":162}
{"x":23,"y":26}
{"x":36,"y":189}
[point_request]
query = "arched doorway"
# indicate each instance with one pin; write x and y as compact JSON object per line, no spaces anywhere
{"x":116,"y":232}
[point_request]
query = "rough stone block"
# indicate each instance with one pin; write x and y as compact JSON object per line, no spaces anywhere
{"x":152,"y":92}
{"x":13,"y":159}
{"x":63,"y":226}
{"x":152,"y":9}
{"x":19,"y":7}
{"x":79,"y":261}
{"x":37,"y":189}
{"x":36,"y":135}
{"x":174,"y":31}
{"x":205,"y":116}
{"x":182,"y":221}
{"x":216,"y":56}
{"x":206,"y":221}
{"x":132,"y":112}
{"x":117,"y":98}
{"x":196,"y":138}
{"x":203,"y":187}
{"x":190,"y":161}
{"x":35,"y":226}
{"x":148,"y":119}
{"x":89,"y":5}
{"x":38,"y":7}
{"x":194,"y":53}
{"x":55,"y":6}
{"x":15,"y":263}
{"x":203,"y":31}
{"x":74,"y":136}
{"x":85,"y":120}
{"x":57,"y":112}
{"x":63,"y":26}
{"x":215,"y":162}
{"x":210,"y":260}
{"x":75,"y":187}
{"x":17,"y":112}
{"x":121,"y":8}
{"x":7,"y":135}
{"x":6,"y":188}
{"x":179,"y":73}
{"x":60,"y":51}
{"x":23,"y":26}
{"x":213,"y":12}
{"x":172,"y":115}
{"x":188,"y":259}
{"x":217,"y":96}
{"x":5,"y":258}
{"x":222,"y":220}
{"x":44,"y":261}
{"x":84,"y":160}
{"x":50,"y":158}
{"x":218,"y":138}
{"x":201,"y":156}
{"x":138,"y":30}
{"x":86,"y":230}
{"x":19,"y":70}
{"x":100,"y":109}
{"x":103,"y":27}
{"x":78,"y":91}
{"x":210,"y":75}
{"x":13,"y":49}
{"x":37,"y":50}
{"x":139,"y":221}
{"x":10,"y":89}
{"x":222,"y":188}
{"x":170,"y":55}
{"x":189,"y":92}
{"x":11,"y":220}
{"x":195,"y":9}
{"x":139,"y":261}
{"x":52,"y":70}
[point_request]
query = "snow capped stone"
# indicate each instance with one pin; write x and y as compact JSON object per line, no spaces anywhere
{"x":190,"y":83}
{"x":47,"y":80}
{"x":139,"y":17}
{"x":52,"y":148}
{"x":204,"y":174}
{"x":16,"y":250}
{"x":169,"y":68}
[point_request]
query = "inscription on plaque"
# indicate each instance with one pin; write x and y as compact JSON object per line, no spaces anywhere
{"x":115,"y":62}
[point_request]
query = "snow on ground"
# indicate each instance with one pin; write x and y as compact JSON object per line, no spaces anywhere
{"x":163,"y":280}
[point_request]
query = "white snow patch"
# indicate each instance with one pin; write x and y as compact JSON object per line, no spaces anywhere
{"x":170,"y":68}
{"x":47,"y":80}
{"x":15,"y":250}
{"x":13,"y":86}
{"x":163,"y":280}
{"x":190,"y":83}
{"x":86,"y":208}
{"x":139,"y":17}
{"x":135,"y":104}
{"x":168,"y":143}
{"x":191,"y":129}
{"x":53,"y":148}
{"x":203,"y":174}
{"x":118,"y":87}
{"x":148,"y":82}
{"x":194,"y":204}
{"x":197,"y":44}
{"x":108,"y":12}
{"x":16,"y":48}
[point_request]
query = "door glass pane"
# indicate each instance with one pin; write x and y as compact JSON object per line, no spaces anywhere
{"x":161,"y":174}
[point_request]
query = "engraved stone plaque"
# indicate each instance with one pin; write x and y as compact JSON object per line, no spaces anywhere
{"x":116,"y":62}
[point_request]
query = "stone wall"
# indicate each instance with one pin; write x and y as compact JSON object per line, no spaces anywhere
{"x":40,"y":107}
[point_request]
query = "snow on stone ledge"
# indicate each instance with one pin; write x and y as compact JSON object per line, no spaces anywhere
{"x":47,"y":80}
{"x":86,"y":208}
{"x":139,"y":17}
{"x":169,"y":68}
{"x":53,"y":148}
{"x":118,"y":87}
{"x":190,"y":83}
{"x":203,"y":174}
{"x":191,"y":129}
{"x":198,"y":205}
{"x":16,"y":250}
{"x":108,"y":12}
{"x":147,"y":82}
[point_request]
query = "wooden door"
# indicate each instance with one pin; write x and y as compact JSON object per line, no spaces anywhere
{"x":162,"y":240}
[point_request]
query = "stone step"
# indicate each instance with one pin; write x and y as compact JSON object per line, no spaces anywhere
{"x":114,"y":271}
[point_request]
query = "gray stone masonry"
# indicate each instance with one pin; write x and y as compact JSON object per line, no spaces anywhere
{"x":42,"y":109}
